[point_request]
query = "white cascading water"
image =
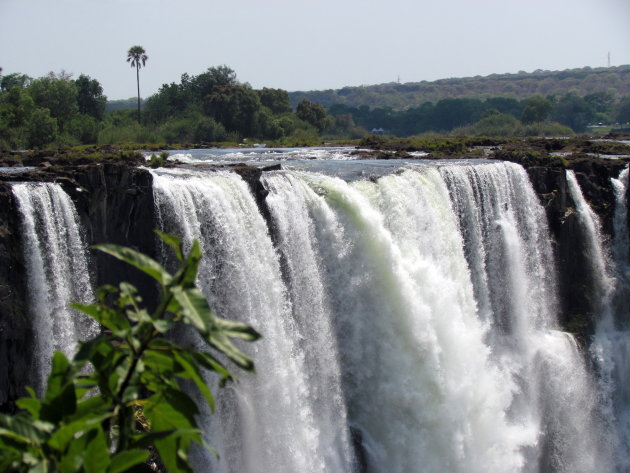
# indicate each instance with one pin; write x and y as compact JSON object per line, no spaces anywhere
{"x":413,"y":316}
{"x":420,"y":385}
{"x":53,"y":249}
{"x":509,"y":252}
{"x":272,"y":421}
{"x":611,"y":346}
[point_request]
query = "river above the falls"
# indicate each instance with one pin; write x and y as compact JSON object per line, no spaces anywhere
{"x":347,"y":163}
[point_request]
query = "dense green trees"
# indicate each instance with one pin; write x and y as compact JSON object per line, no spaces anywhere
{"x":12,"y":80}
{"x":276,"y":100}
{"x":235,"y":106}
{"x":54,"y":108}
{"x":58,"y":94}
{"x":215,"y":106}
{"x":537,"y":109}
{"x":623,"y":111}
{"x":90,"y":98}
{"x":570,"y":110}
{"x":574,"y":112}
{"x":313,"y":113}
{"x":42,"y":128}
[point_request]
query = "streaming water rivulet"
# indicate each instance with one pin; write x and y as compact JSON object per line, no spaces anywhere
{"x":57,"y":270}
{"x":409,"y":322}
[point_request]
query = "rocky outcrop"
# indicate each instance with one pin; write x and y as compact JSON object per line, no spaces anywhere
{"x":548,"y":176}
{"x":115,"y":205}
{"x":15,"y":329}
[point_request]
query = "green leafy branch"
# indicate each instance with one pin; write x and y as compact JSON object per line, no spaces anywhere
{"x":120,"y":400}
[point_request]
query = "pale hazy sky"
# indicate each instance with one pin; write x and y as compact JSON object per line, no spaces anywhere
{"x":309,"y":44}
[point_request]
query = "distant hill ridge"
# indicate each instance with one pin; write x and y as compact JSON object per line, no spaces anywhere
{"x":521,"y":85}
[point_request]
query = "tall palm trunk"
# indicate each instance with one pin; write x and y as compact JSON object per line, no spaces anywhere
{"x":138,"y":81}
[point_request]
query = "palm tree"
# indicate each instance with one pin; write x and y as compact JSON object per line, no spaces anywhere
{"x":137,"y":57}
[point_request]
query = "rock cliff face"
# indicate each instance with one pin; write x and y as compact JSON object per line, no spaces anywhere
{"x":577,"y":303}
{"x":115,"y":205}
{"x":15,"y":329}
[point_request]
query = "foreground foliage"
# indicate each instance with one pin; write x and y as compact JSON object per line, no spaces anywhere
{"x":119,"y":400}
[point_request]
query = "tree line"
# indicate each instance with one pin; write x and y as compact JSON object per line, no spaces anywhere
{"x":582,"y":81}
{"x":214,"y":106}
{"x":210,"y":107}
{"x":37,"y":112}
{"x":570,"y":110}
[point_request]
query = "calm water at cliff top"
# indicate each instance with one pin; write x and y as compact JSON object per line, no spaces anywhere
{"x":341,"y":162}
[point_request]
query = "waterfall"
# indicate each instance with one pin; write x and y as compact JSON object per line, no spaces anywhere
{"x":611,"y":345}
{"x":506,"y":241}
{"x":409,"y":323}
{"x":53,"y":250}
{"x":421,"y":388}
{"x":604,"y":282}
{"x":269,"y":421}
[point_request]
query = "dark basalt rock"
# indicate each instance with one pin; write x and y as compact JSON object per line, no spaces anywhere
{"x":115,"y":205}
{"x":15,"y":330}
{"x":578,"y":305}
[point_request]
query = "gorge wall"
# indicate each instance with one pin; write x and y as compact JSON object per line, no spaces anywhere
{"x":548,"y":178}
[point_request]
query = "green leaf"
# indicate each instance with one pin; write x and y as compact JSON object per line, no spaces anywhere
{"x":209,"y":362}
{"x":167,"y":448}
{"x":21,"y":428}
{"x":123,"y":461}
{"x":60,"y":398}
{"x":109,"y":318}
{"x":30,"y":404}
{"x":195,"y":308}
{"x":171,"y":409}
{"x":174,"y":242}
{"x":159,"y":361}
{"x":60,"y":439}
{"x":187,"y":275}
{"x":162,"y":326}
{"x":41,"y":465}
{"x":190,"y":371}
{"x":72,"y":458}
{"x":215,"y":331}
{"x":224,"y":345}
{"x":235,"y":329}
{"x":141,"y":261}
{"x":104,"y":291}
{"x":92,"y":407}
{"x":128,"y":296}
{"x":145,"y":440}
{"x":96,"y":459}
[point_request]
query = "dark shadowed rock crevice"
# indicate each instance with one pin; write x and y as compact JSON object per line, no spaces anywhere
{"x":15,"y":327}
